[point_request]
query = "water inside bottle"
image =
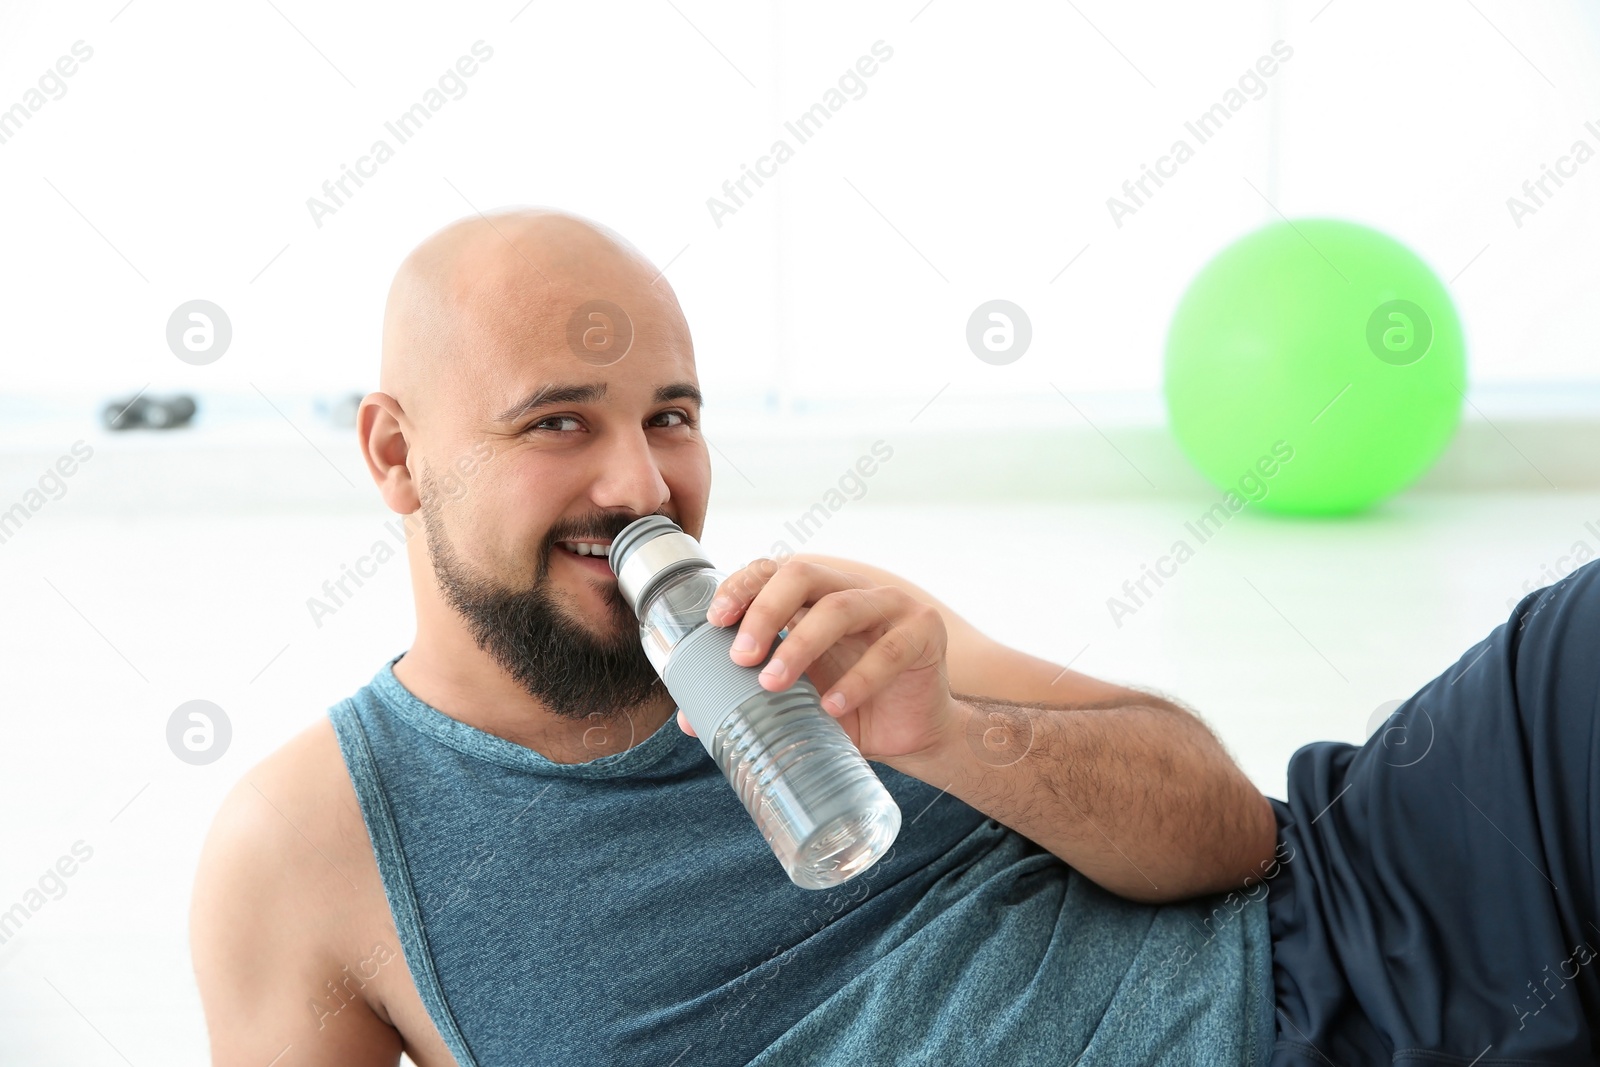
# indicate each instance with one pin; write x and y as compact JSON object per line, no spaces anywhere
{"x":823,"y":812}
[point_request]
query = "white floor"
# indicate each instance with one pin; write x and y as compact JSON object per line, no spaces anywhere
{"x":1278,"y":632}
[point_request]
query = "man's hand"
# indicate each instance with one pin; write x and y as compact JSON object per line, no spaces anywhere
{"x":1128,"y":788}
{"x":874,"y":652}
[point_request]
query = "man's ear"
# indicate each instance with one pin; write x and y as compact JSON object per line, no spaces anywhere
{"x":380,"y":429}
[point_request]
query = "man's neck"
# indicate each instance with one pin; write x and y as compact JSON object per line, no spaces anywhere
{"x":470,"y":687}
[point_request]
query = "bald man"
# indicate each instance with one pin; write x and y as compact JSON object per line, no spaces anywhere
{"x":503,"y":850}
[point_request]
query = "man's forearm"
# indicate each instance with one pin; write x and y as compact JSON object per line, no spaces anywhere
{"x":1137,"y":796}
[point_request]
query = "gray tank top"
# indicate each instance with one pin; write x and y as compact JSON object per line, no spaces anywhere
{"x":627,"y":911}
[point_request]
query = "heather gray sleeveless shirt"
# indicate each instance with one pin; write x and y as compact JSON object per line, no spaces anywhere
{"x":627,"y":911}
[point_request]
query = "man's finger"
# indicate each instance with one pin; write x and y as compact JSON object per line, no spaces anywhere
{"x":915,"y":642}
{"x":837,"y":615}
{"x":793,"y":586}
{"x":738,"y":589}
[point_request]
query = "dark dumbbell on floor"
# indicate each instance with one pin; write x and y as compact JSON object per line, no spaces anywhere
{"x":156,"y":413}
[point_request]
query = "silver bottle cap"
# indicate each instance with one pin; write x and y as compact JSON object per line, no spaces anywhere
{"x":647,"y":550}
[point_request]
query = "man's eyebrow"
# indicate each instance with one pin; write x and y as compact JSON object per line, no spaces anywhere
{"x":560,"y":393}
{"x":553,"y":393}
{"x":680,"y":391}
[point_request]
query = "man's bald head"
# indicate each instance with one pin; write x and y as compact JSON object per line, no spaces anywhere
{"x":487,"y":288}
{"x":538,"y":387}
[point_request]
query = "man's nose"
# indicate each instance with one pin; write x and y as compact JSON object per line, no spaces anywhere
{"x":629,"y":476}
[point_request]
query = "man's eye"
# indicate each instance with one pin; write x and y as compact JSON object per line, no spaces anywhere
{"x":545,"y":423}
{"x":683,"y":418}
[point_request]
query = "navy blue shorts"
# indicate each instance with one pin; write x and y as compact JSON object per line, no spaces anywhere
{"x":1439,"y":900}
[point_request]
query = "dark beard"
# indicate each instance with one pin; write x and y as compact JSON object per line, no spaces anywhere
{"x":558,"y":661}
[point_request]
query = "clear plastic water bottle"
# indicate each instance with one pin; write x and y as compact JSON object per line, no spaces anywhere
{"x":817,"y":802}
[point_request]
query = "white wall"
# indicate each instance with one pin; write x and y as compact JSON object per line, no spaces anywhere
{"x":977,"y":164}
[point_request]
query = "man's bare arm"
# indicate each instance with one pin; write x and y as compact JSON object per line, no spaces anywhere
{"x":1127,"y":787}
{"x":263,"y":928}
{"x":1136,"y":794}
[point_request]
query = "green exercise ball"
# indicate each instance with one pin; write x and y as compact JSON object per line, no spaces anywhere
{"x":1314,"y":367}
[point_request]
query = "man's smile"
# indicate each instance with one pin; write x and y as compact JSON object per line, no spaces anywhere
{"x":590,"y":555}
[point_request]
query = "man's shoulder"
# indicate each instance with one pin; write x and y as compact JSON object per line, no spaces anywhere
{"x":298,"y":803}
{"x":288,"y":847}
{"x":290,"y":927}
